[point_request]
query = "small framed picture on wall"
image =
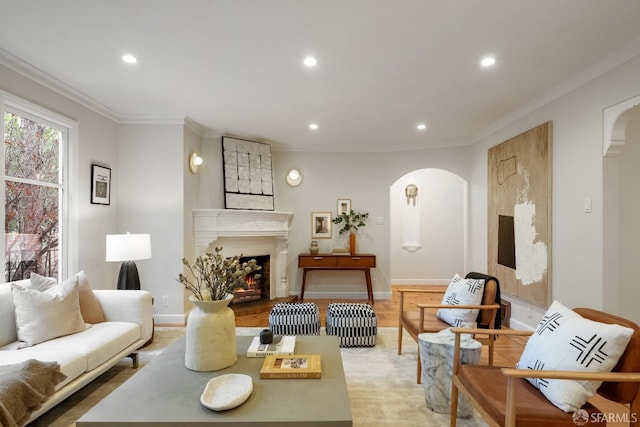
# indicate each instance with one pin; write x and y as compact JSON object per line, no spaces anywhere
{"x":100,"y":185}
{"x":321,"y":225}
{"x":344,"y":206}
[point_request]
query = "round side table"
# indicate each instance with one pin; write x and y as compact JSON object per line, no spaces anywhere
{"x":436,"y":356}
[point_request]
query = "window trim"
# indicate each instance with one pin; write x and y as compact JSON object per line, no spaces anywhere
{"x":69,"y":228}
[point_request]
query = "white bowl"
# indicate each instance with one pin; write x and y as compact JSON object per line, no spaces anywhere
{"x":226,"y":391}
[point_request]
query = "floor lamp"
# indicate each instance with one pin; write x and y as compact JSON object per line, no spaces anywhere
{"x":127,"y":248}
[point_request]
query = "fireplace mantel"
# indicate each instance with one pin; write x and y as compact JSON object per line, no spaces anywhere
{"x":249,"y":227}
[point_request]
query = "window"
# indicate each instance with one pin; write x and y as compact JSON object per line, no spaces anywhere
{"x":34,"y":193}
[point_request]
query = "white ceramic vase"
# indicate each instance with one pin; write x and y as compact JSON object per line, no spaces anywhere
{"x":210,"y":335}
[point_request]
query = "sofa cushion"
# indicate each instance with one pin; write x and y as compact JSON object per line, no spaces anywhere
{"x":43,"y":315}
{"x":566,"y":341}
{"x":462,"y":292}
{"x":72,"y":363}
{"x":98,"y":343}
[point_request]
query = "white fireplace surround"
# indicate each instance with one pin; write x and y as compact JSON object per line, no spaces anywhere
{"x":250,"y":233}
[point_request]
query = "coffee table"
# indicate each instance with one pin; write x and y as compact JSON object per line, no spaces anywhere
{"x":166,"y":393}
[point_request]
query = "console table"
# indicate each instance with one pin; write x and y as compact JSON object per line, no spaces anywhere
{"x":361,"y":262}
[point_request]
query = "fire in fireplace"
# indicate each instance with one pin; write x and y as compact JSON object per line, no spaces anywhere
{"x":257,"y":282}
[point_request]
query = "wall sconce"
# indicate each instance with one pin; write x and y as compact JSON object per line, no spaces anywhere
{"x":127,"y":248}
{"x":411,"y":192}
{"x":194,"y":161}
{"x":294,"y":177}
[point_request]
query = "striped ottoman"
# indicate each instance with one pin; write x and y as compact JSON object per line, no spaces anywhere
{"x":295,"y":319}
{"x":355,"y":323}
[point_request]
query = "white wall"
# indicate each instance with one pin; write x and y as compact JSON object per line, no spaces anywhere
{"x":628,"y":222}
{"x":365,"y":178}
{"x":97,"y":143}
{"x":577,"y":241}
{"x":151,"y":193}
{"x":441,"y":207}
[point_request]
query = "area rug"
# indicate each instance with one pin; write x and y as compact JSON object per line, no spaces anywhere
{"x":381,"y":384}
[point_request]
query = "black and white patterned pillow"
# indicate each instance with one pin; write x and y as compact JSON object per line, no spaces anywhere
{"x":566,"y":341}
{"x":462,"y":292}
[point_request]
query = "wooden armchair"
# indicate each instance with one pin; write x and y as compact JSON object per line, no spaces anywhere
{"x":505,"y":398}
{"x":422,"y":317}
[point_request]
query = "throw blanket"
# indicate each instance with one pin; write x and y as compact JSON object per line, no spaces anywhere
{"x":24,"y":387}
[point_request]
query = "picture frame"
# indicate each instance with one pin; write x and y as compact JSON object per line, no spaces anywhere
{"x":100,"y":185}
{"x":321,"y":225}
{"x":344,"y":206}
{"x":248,"y":174}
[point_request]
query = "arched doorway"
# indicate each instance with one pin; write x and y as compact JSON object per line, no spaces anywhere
{"x":428,"y":233}
{"x":621,"y":198}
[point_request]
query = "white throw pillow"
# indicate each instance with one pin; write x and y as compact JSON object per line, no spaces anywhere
{"x":566,"y":341}
{"x":40,"y":283}
{"x":462,"y":292}
{"x":44,"y":315}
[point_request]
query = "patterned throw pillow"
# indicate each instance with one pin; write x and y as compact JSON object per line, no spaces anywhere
{"x":566,"y":341}
{"x":462,"y":292}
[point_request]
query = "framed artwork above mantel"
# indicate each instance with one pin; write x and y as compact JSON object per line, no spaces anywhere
{"x":248,"y":174}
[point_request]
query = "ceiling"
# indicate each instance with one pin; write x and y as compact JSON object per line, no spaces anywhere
{"x":235,"y":66}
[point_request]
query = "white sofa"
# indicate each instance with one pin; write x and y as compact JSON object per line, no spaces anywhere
{"x":84,"y":355}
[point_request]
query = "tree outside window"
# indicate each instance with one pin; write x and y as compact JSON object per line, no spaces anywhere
{"x":33,"y":190}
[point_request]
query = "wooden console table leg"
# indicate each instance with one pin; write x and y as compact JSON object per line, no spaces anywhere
{"x":304,"y":280}
{"x":367,"y":275}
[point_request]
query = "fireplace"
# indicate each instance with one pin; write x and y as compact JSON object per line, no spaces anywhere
{"x":258,"y":282}
{"x":250,"y":233}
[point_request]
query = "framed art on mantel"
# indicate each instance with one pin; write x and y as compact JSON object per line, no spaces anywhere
{"x":100,"y":185}
{"x":248,"y":175}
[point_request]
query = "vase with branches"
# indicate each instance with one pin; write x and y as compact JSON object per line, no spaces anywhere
{"x":211,"y":325}
{"x":351,"y":222}
{"x":214,"y":276}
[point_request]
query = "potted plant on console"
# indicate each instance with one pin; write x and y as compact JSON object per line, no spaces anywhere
{"x":211,"y":329}
{"x":351,"y":222}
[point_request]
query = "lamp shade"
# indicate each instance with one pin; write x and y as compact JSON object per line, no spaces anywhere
{"x":128,"y":247}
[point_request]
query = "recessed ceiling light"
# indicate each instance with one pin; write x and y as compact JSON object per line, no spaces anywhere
{"x":129,"y":59}
{"x":488,"y":61}
{"x":313,"y":126}
{"x":310,"y":61}
{"x":421,"y":126}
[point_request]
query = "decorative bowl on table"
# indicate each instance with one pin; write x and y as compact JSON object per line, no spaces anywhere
{"x":226,"y":391}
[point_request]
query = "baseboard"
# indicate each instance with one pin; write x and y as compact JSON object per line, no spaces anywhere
{"x":343,"y":295}
{"x":170,"y":319}
{"x":420,"y":281}
{"x":516,"y":324}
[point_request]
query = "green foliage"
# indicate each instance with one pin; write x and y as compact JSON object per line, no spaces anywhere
{"x":351,"y":221}
{"x":214,"y":276}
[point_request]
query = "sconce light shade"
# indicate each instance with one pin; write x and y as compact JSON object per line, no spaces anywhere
{"x":411,"y":192}
{"x":194,"y":161}
{"x":127,"y":248}
{"x":294,"y":177}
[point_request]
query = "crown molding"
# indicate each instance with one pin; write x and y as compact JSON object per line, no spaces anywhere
{"x":611,"y":61}
{"x":24,"y":68}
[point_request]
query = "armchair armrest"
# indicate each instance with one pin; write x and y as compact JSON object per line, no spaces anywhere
{"x":461,"y":306}
{"x":513,"y":373}
{"x":516,"y":332}
{"x":629,"y":377}
{"x":128,"y":306}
